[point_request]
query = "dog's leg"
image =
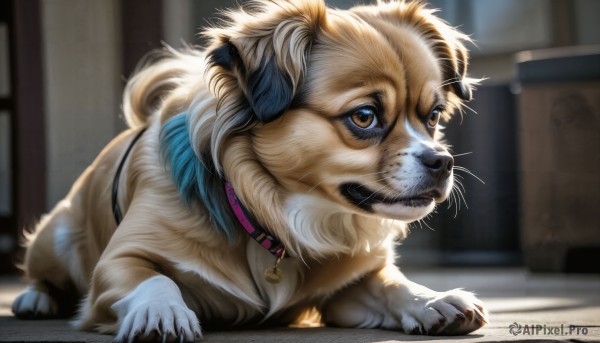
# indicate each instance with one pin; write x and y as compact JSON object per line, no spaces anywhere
{"x":48,"y":263}
{"x":35,"y":303}
{"x":386,"y":299}
{"x":147,"y":305}
{"x":156,"y":307}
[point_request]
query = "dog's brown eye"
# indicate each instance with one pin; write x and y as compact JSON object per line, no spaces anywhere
{"x":434,"y":117}
{"x":365,"y":118}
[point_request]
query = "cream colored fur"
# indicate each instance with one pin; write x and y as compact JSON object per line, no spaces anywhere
{"x":287,"y":172}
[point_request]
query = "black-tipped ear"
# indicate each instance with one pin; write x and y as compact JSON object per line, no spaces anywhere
{"x":270,"y":92}
{"x":462,"y":89}
{"x":224,"y":56}
{"x":265,"y":51}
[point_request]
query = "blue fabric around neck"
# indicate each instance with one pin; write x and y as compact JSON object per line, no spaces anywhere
{"x":195,"y":178}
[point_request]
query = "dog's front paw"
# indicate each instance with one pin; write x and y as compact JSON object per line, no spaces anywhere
{"x":35,"y":304}
{"x":155,"y":311}
{"x":455,"y":312}
{"x":159,"y":321}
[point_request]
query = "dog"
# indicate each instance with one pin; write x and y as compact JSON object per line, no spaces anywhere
{"x":264,"y":180}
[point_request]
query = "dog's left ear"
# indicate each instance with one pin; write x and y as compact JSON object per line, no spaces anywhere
{"x":265,"y":52}
{"x":447,"y":44}
{"x":445,"y":41}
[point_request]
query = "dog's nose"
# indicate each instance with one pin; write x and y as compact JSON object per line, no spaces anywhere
{"x":439,"y":164}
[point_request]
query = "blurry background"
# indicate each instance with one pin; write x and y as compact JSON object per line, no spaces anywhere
{"x":533,"y":142}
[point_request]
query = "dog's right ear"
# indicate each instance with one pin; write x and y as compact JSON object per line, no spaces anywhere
{"x":224,"y":56}
{"x":268,"y":90}
{"x":264,"y":53}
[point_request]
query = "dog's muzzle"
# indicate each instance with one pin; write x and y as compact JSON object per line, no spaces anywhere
{"x":437,"y":168}
{"x":365,"y":198}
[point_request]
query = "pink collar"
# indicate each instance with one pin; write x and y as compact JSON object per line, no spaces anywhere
{"x":256,"y":231}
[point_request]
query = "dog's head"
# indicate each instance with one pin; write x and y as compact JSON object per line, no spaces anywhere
{"x":325,"y":122}
{"x":345,"y":105}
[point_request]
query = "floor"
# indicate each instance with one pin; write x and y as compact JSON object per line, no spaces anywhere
{"x":548,"y":307}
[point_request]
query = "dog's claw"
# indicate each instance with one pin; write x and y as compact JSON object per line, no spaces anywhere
{"x":181,"y":336}
{"x":416,"y":331}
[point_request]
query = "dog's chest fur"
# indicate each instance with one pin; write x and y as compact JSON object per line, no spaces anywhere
{"x":248,"y":298}
{"x":237,"y":294}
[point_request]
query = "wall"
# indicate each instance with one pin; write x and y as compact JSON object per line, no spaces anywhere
{"x":5,"y":126}
{"x":83,"y":85}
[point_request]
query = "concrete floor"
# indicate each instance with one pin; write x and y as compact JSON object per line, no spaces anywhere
{"x":511,"y":295}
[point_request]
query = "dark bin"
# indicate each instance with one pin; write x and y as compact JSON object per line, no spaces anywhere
{"x":559,"y":132}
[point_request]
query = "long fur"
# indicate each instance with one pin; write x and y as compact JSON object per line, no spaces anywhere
{"x":263,"y":108}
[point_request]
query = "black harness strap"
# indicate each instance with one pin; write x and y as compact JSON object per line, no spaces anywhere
{"x":115,"y":189}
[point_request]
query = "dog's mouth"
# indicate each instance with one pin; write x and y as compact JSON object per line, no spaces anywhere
{"x":368,"y":200}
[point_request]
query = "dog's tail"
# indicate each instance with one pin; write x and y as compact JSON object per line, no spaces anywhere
{"x":159,"y":73}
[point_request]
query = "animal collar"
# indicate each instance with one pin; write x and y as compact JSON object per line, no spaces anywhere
{"x":256,"y":231}
{"x":115,"y":189}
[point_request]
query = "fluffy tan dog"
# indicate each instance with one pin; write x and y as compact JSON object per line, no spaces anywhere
{"x":276,"y":171}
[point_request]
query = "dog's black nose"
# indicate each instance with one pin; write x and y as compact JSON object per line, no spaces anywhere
{"x":439,"y":164}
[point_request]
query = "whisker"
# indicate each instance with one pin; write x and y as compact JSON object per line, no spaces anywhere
{"x":457,"y":207}
{"x":463,"y":169}
{"x":424,"y":221}
{"x":462,"y":154}
{"x":333,"y":177}
{"x":420,"y":225}
{"x":449,"y":82}
{"x":451,"y":199}
{"x":472,"y":110}
{"x":459,"y":184}
{"x":459,"y":199}
{"x":461,"y":111}
{"x":463,"y":198}
{"x":373,"y":193}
